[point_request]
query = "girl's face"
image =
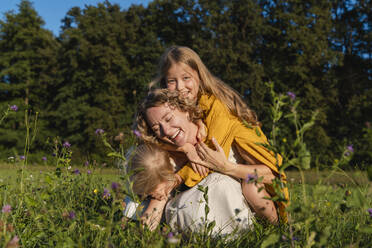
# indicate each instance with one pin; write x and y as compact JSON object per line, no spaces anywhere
{"x":184,"y":79}
{"x":171,"y":125}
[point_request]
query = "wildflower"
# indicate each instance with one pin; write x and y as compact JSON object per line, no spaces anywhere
{"x":251,"y":177}
{"x":14,"y":108}
{"x":294,"y":238}
{"x":106,"y":193}
{"x":370,"y":212}
{"x":347,"y":193}
{"x":6,"y":209}
{"x":71,"y":215}
{"x":44,"y":158}
{"x":13,"y":243}
{"x":11,"y":158}
{"x":172,"y":239}
{"x":328,"y":203}
{"x":66,"y":144}
{"x":99,"y":131}
{"x":89,"y":172}
{"x":86,"y":163}
{"x":137,"y":133}
{"x":350,"y":148}
{"x":284,"y":140}
{"x":115,"y":186}
{"x":291,"y":95}
{"x":53,"y":154}
{"x":336,"y":161}
{"x":95,"y":191}
{"x":69,"y":168}
{"x":22,"y":157}
{"x":76,"y":171}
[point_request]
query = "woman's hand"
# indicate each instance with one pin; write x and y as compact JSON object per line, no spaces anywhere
{"x":213,"y":159}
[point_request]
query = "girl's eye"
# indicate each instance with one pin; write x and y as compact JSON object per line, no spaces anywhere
{"x":186,"y":78}
{"x":168,"y":119}
{"x":170,"y":81}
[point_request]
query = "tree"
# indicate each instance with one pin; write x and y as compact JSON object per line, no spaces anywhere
{"x":27,"y":53}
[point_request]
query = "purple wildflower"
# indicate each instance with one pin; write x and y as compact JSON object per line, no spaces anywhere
{"x":170,"y":235}
{"x":172,"y":239}
{"x":66,"y":144}
{"x":294,"y":238}
{"x":370,"y":212}
{"x":291,"y":95}
{"x":350,"y":148}
{"x":115,"y":186}
{"x":71,"y":215}
{"x":76,"y":171}
{"x":89,"y":172}
{"x":6,"y":209}
{"x":137,"y":133}
{"x":106,"y":193}
{"x":86,"y":163}
{"x":53,"y":154}
{"x":251,"y":177}
{"x":99,"y":131}
{"x":44,"y":158}
{"x":22,"y":157}
{"x":14,"y":108}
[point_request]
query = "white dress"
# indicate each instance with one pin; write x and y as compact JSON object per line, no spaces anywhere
{"x":227,"y":206}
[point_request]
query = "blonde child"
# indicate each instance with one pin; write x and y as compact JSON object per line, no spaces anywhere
{"x":152,"y":175}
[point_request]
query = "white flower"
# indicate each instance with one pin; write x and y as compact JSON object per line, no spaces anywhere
{"x":69,"y":168}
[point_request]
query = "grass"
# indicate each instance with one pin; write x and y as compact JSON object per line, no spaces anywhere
{"x":82,"y":210}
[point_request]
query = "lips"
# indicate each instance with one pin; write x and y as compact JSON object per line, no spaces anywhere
{"x":175,"y":134}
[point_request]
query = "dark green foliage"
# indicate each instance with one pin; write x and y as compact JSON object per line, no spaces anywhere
{"x":95,"y":73}
{"x":27,"y":59}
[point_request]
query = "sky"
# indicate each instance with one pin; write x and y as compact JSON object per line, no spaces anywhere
{"x":53,"y":11}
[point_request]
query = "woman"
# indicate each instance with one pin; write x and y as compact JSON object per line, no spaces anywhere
{"x":165,"y":118}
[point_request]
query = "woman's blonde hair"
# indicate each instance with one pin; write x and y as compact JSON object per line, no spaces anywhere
{"x":156,"y":98}
{"x":150,"y":166}
{"x":209,"y":84}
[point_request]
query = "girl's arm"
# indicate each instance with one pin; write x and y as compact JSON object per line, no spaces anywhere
{"x":216,"y":160}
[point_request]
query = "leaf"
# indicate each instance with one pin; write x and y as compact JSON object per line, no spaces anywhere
{"x":258,"y":132}
{"x":366,"y":229}
{"x":270,"y":240}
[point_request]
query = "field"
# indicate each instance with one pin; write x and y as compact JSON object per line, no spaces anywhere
{"x":82,"y":207}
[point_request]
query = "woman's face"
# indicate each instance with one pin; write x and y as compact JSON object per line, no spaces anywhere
{"x":184,"y":79}
{"x":171,"y":125}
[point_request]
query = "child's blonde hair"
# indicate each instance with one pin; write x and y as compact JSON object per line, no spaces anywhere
{"x":150,"y":166}
{"x":209,"y":84}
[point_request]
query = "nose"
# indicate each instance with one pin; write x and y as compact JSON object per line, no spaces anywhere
{"x":165,"y":129}
{"x":180,"y":85}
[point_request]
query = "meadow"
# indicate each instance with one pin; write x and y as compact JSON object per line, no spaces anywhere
{"x":60,"y":204}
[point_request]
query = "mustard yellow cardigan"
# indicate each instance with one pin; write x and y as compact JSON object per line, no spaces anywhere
{"x":226,"y":129}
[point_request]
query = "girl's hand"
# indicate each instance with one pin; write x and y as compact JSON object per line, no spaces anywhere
{"x":192,"y":155}
{"x":202,"y":133}
{"x":213,"y":159}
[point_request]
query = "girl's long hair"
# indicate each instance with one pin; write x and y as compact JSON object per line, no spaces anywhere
{"x":209,"y":84}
